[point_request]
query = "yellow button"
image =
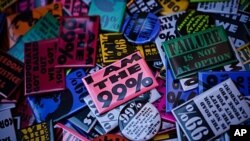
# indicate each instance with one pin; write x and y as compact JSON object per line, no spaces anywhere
{"x":171,"y":6}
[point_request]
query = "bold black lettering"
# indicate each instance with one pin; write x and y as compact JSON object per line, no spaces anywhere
{"x":89,"y":79}
{"x":101,"y":84}
{"x":110,"y":69}
{"x":114,"y":78}
{"x":133,"y":69}
{"x":134,"y":57}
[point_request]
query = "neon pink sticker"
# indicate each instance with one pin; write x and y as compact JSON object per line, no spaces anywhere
{"x":78,"y":41}
{"x":160,"y":104}
{"x":119,"y":82}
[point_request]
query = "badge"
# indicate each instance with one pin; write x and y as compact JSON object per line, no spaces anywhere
{"x":194,"y":52}
{"x":194,"y":21}
{"x":111,"y":137}
{"x":41,"y":131}
{"x":26,"y":21}
{"x":11,"y":74}
{"x":115,"y":47}
{"x":83,"y":119}
{"x":75,"y":7}
{"x":173,"y":6}
{"x":45,"y":28}
{"x":40,"y":73}
{"x":55,"y":106}
{"x":244,"y":54}
{"x":7,"y":128}
{"x":141,"y":28}
{"x":175,"y":95}
{"x":77,"y":42}
{"x":119,"y":82}
{"x":168,"y":31}
{"x":241,"y":79}
{"x":226,"y":7}
{"x":139,"y":121}
{"x":138,"y":6}
{"x":110,"y":12}
{"x":63,"y":133}
{"x":212,"y":112}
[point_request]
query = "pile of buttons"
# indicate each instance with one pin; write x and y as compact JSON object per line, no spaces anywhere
{"x":118,"y":70}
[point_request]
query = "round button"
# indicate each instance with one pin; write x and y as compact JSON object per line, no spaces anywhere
{"x":141,"y":28}
{"x":139,"y":121}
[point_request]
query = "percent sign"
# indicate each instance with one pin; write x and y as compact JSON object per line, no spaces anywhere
{"x":121,"y":89}
{"x":65,"y":53}
{"x":107,"y":123}
{"x":177,"y":99}
{"x":193,"y":123}
{"x":184,"y":115}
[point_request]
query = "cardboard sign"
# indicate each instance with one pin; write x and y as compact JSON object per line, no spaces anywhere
{"x":19,"y":24}
{"x":202,"y":50}
{"x":244,"y":53}
{"x":78,"y":41}
{"x":6,"y":3}
{"x":173,"y":6}
{"x":146,"y":6}
{"x":41,"y":131}
{"x":75,"y":7}
{"x":175,"y":95}
{"x":55,"y":106}
{"x":226,"y":7}
{"x":121,"y":81}
{"x":241,"y":79}
{"x":110,"y":12}
{"x":234,"y":25}
{"x":168,"y":31}
{"x":161,"y":103}
{"x":45,"y":28}
{"x":64,"y":133}
{"x":211,"y":113}
{"x":11,"y":74}
{"x":40,"y":73}
{"x":7,"y":128}
{"x":83,"y":119}
{"x":115,"y":47}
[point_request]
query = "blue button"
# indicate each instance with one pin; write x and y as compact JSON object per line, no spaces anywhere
{"x":141,"y":28}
